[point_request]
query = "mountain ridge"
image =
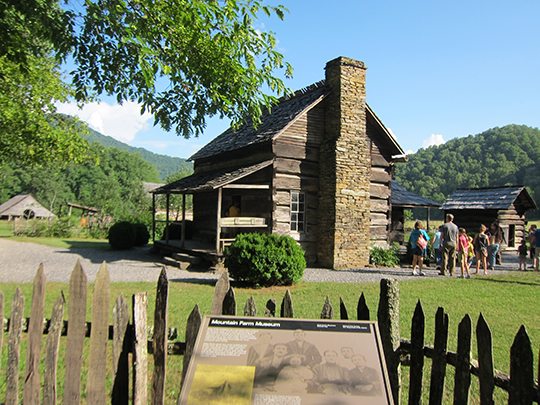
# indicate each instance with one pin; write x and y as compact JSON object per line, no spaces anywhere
{"x":166,"y":165}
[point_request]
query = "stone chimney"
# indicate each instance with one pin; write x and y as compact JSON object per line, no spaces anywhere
{"x":345,"y":168}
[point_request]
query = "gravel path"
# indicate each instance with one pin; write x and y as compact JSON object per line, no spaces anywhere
{"x":19,"y":262}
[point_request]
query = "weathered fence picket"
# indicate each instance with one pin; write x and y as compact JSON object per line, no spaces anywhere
{"x":388,"y":322}
{"x":250,"y":309}
{"x":140,"y":349}
{"x":463,"y":362}
{"x":485,"y":361}
{"x":51,"y":352}
{"x":160,"y":340}
{"x":229,"y":303}
{"x":521,"y":370}
{"x":99,"y":338}
{"x":417,"y":356}
{"x":121,"y":348}
{"x":362,"y":310}
{"x":133,"y":338}
{"x":14,"y":346}
{"x":438,"y":364}
{"x":75,"y":335}
{"x":33,"y":346}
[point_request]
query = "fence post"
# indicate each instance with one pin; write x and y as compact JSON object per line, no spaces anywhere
{"x":438,"y":365}
{"x":1,"y":322}
{"x":75,"y":336}
{"x":32,"y":378}
{"x":287,"y":306}
{"x":250,"y":309}
{"x":51,"y":352}
{"x":121,"y":346}
{"x":14,"y":345}
{"x":463,"y":362}
{"x":192,"y":329}
{"x":99,"y":339}
{"x":327,"y":311}
{"x":521,"y":370}
{"x":160,"y":339}
{"x":140,"y":349}
{"x":416,"y":371}
{"x":485,"y":361}
{"x":388,"y":321}
{"x":362,"y":310}
{"x":342,"y":310}
{"x":270,"y":310}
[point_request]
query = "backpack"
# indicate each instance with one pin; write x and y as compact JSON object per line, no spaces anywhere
{"x":421,"y":242}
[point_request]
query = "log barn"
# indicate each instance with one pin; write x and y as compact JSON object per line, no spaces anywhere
{"x":507,"y":205}
{"x":318,"y":168}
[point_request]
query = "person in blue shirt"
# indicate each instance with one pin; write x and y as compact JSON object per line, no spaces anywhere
{"x":436,"y":245}
{"x":418,"y":247}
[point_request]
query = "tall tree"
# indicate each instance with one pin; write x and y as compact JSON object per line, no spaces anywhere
{"x":182,"y":60}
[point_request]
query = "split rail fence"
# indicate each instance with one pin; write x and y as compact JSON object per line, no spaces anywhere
{"x":132,"y":338}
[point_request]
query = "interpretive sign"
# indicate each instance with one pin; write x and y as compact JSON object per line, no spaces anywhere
{"x":282,"y":361}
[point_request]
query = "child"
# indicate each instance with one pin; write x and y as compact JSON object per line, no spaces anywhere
{"x":522,"y":252}
{"x":481,"y":242}
{"x":471,"y":251}
{"x":463,"y":251}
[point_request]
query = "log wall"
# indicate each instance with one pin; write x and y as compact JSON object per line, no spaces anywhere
{"x":296,"y":168}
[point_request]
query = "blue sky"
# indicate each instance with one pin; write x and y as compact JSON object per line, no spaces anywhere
{"x":437,"y":70}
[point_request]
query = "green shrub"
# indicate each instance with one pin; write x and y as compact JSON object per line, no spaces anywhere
{"x":265,"y":260}
{"x":388,"y":257}
{"x":141,"y":235}
{"x":122,"y":236}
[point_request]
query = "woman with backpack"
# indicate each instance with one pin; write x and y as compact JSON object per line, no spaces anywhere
{"x":419,"y":240}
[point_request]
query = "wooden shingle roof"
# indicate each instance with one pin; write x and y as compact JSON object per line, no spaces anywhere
{"x":490,"y":198}
{"x":17,"y":205}
{"x":272,"y":123}
{"x":402,"y":197}
{"x":199,"y":182}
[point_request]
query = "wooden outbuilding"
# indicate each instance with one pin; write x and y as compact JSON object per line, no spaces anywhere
{"x":24,"y":206}
{"x":317,"y":168}
{"x":404,"y":199}
{"x":506,"y":205}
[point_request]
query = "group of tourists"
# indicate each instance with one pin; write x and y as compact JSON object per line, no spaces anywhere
{"x":452,"y":243}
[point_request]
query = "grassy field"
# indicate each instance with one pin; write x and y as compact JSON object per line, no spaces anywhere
{"x":506,"y":302}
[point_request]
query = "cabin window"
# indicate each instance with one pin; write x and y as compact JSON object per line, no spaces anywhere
{"x":298,"y":211}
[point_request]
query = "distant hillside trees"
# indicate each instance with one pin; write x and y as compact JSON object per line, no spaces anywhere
{"x":496,"y":157}
{"x":113,"y":185}
{"x":165,"y":165}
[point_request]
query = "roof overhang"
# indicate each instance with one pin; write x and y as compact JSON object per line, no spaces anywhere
{"x":208,"y":181}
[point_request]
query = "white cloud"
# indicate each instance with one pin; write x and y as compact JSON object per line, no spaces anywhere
{"x":433,"y":140}
{"x":410,"y":152}
{"x":121,"y":122}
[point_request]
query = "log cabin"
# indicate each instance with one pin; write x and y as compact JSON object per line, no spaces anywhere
{"x":318,"y":167}
{"x":506,"y":205}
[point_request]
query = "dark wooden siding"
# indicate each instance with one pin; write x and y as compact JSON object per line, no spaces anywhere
{"x":296,"y":168}
{"x":380,"y":193}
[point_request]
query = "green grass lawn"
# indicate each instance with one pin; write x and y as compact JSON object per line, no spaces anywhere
{"x":506,"y":301}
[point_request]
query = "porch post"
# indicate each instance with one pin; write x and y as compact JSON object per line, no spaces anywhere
{"x":153,"y":217}
{"x":183,"y":220}
{"x":167,"y":222}
{"x":427,"y":222}
{"x":218,"y":227}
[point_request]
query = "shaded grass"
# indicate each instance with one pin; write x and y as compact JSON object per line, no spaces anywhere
{"x":506,"y":301}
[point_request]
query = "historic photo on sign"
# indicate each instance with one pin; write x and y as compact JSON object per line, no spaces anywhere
{"x":241,"y":360}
